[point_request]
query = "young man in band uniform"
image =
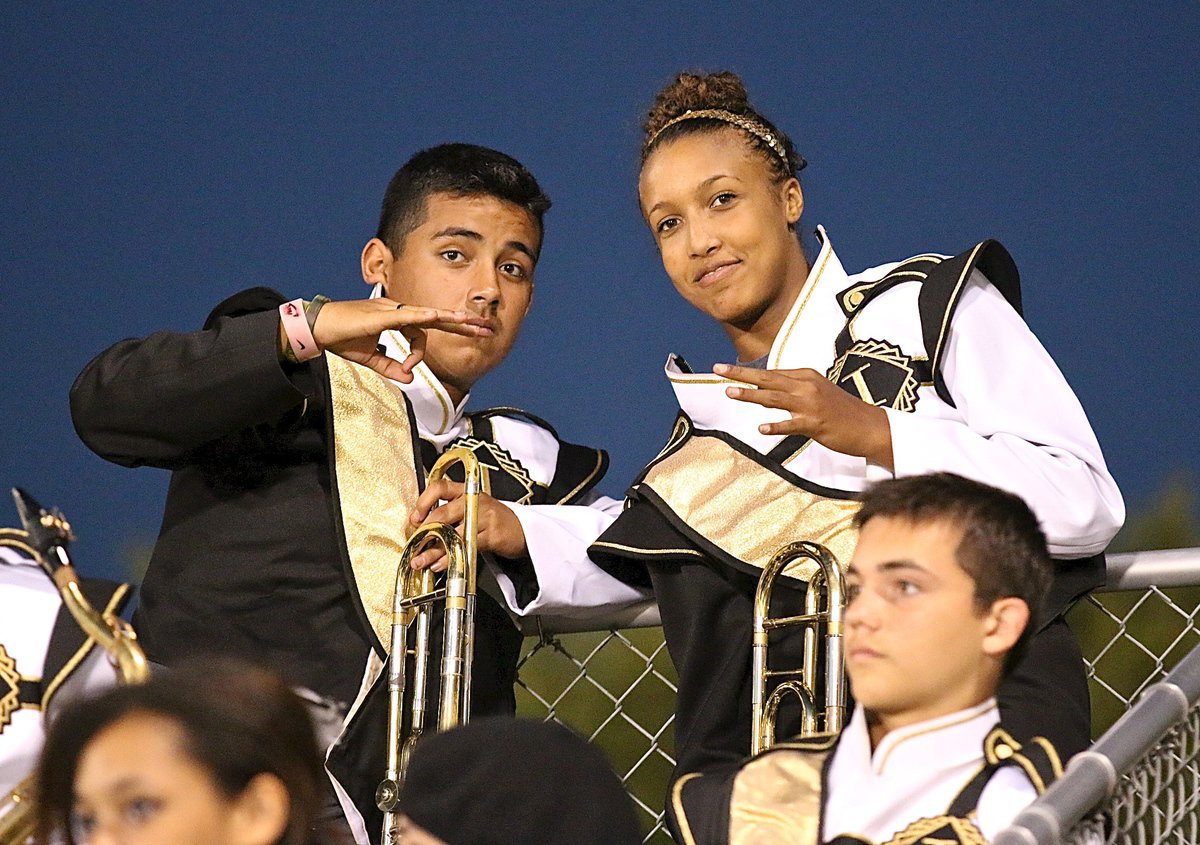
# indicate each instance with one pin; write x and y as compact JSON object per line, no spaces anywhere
{"x":297,"y":475}
{"x":943,"y":593}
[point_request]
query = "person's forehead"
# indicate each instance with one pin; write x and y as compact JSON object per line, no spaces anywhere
{"x":443,"y":208}
{"x":697,"y":156}
{"x":884,"y":541}
{"x":136,"y":745}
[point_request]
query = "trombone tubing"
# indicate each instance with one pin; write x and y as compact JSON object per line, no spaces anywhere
{"x":831,"y":574}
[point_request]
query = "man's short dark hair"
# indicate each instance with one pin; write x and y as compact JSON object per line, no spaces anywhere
{"x":461,"y":170}
{"x":1002,"y":548}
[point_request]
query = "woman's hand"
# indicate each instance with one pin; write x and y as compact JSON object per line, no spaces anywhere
{"x":819,"y":409}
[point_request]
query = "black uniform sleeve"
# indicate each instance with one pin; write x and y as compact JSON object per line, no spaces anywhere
{"x":156,"y":400}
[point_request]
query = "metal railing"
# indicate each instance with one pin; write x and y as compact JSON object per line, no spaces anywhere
{"x":611,"y":679}
{"x":1147,"y":761}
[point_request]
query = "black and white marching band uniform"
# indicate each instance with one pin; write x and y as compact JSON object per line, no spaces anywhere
{"x":957,"y":779}
{"x":46,"y":660}
{"x":288,"y":506}
{"x":940,"y":344}
{"x":549,"y":486}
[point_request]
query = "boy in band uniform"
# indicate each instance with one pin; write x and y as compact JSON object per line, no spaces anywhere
{"x":296,"y":475}
{"x":943,"y":594}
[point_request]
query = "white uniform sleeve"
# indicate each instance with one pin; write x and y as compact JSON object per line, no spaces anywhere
{"x":1018,"y":426}
{"x":558,"y":537}
{"x":1007,"y":793}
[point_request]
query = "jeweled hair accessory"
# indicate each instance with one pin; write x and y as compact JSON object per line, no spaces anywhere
{"x":741,"y":122}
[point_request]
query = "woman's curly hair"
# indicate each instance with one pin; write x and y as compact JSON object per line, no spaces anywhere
{"x":724,"y":91}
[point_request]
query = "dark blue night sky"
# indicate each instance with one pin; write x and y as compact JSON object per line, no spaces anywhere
{"x":160,"y":156}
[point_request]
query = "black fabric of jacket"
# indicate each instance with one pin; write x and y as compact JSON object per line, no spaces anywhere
{"x":246,"y":561}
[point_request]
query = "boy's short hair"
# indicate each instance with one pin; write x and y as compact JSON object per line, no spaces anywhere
{"x":460,"y":170}
{"x":1002,"y":548}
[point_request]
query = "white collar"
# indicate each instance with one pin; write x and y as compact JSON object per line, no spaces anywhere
{"x":815,"y":305}
{"x":958,"y":738}
{"x":438,"y":419}
{"x":807,"y":335}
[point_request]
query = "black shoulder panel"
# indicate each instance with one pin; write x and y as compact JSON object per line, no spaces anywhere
{"x":578,"y":470}
{"x":507,"y":411}
{"x":943,"y":287}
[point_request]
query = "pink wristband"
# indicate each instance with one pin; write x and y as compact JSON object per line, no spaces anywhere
{"x":299,"y":335}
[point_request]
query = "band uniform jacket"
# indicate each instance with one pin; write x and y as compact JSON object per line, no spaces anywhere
{"x":940,"y":344}
{"x":959,"y":778}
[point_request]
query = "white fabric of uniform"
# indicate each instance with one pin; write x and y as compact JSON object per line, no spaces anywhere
{"x":916,"y":772}
{"x":1015,"y":424}
{"x":29,"y":605}
{"x":557,"y":536}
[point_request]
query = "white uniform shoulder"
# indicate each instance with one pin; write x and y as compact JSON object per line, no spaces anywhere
{"x":530,"y":439}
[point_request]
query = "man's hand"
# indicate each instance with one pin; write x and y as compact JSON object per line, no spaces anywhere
{"x":820,"y":410}
{"x":500,"y":531}
{"x":352,"y":328}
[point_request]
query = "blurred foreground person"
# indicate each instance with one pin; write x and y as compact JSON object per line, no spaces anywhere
{"x":214,"y":753}
{"x":943,"y":592}
{"x":513,"y":782}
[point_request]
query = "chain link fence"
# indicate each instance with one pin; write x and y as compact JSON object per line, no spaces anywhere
{"x":616,"y":686}
{"x":1157,"y":801}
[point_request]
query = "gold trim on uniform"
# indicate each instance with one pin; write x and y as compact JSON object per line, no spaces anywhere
{"x":10,"y":689}
{"x":15,"y":538}
{"x":1055,"y":761}
{"x":794,"y":317}
{"x":434,"y":386}
{"x":376,"y":481}
{"x":685,"y":829}
{"x":679,"y":432}
{"x":702,"y":378}
{"x":936,"y":354}
{"x":777,"y":798}
{"x":745,"y":509}
{"x":623,"y":548}
{"x":1001,"y":746}
{"x":973,"y":713}
{"x":51,"y":688}
{"x":921,"y":832}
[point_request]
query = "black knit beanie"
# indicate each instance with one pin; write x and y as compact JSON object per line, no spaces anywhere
{"x":502,"y":781}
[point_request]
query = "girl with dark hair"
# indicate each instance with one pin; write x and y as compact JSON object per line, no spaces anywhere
{"x":911,"y":367}
{"x":217,"y":753}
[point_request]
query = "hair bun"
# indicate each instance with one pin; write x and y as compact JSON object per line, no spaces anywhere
{"x":692,"y":92}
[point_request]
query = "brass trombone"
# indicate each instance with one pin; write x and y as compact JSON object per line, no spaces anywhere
{"x":413,"y":606}
{"x":45,"y":539}
{"x":804,"y":683}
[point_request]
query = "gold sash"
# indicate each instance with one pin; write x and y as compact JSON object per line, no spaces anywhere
{"x":375,"y":476}
{"x":747,"y":511}
{"x":777,"y":797}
